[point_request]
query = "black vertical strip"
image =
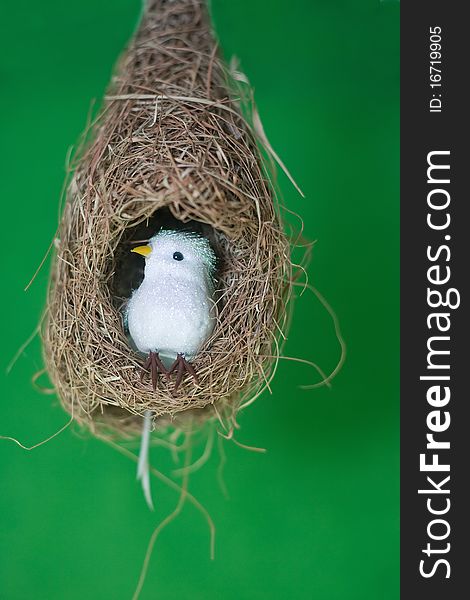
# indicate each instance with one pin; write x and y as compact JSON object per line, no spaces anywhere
{"x":423,"y":132}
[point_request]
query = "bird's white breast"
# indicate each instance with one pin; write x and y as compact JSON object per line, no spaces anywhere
{"x":169,"y":316}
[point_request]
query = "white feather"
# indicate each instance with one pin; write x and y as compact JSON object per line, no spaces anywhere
{"x":143,"y":472}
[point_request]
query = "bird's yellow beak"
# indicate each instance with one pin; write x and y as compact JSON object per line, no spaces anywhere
{"x":142,"y":250}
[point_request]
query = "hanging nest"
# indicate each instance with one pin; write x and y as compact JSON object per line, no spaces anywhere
{"x":174,"y":140}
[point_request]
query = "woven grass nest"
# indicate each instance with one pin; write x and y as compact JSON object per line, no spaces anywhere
{"x":173,"y":140}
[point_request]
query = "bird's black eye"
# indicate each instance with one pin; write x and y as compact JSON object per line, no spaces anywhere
{"x":178,"y":256}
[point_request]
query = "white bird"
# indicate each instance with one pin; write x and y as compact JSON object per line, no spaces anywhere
{"x":171,"y":314}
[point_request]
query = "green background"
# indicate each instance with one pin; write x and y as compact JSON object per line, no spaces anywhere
{"x":317,"y":515}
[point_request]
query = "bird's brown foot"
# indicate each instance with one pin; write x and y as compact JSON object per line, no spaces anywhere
{"x":156,"y":366}
{"x":182,"y":366}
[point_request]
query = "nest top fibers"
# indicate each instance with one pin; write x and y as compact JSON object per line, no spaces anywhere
{"x":174,"y":143}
